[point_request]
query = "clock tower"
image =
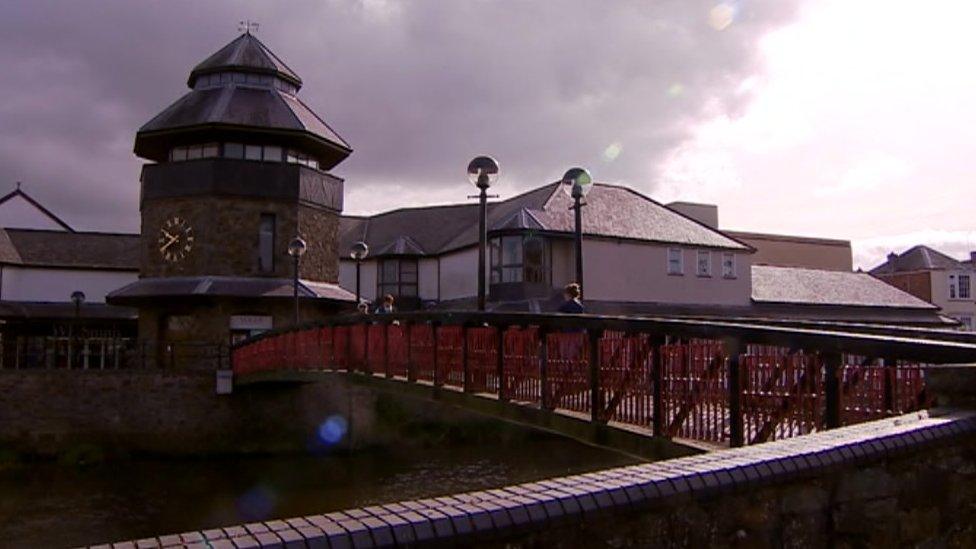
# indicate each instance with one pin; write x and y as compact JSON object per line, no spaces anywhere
{"x":237,"y":168}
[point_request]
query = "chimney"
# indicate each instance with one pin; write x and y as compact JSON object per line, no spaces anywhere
{"x":892,"y":257}
{"x":972,"y":258}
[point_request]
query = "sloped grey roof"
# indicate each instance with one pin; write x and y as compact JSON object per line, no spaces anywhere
{"x":241,"y":105}
{"x":821,"y":287}
{"x":82,"y":250}
{"x":917,"y":258}
{"x":611,"y":211}
{"x":226,"y":286}
{"x":245,"y":53}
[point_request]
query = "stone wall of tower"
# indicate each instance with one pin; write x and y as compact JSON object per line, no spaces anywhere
{"x":226,"y":237}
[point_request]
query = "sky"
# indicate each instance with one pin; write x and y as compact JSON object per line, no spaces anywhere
{"x":835,"y":118}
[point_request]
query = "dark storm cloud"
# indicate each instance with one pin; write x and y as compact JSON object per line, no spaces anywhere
{"x":416,"y":87}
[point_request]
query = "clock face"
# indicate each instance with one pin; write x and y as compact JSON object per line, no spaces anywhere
{"x":175,"y":239}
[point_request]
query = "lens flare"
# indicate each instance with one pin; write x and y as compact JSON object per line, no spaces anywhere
{"x":333,"y":429}
{"x":721,"y":16}
{"x":676,"y":89}
{"x":612,"y":151}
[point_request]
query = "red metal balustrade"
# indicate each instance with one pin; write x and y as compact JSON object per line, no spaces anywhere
{"x":708,"y":390}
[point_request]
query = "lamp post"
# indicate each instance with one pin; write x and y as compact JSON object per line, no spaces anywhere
{"x":482,"y":172}
{"x":77,"y":297}
{"x":577,"y":182}
{"x":296,"y":249}
{"x":358,"y":252}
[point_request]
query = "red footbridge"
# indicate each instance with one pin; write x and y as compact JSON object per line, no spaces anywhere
{"x":716,"y":382}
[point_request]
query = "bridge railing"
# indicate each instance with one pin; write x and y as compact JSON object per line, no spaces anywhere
{"x":723,"y":382}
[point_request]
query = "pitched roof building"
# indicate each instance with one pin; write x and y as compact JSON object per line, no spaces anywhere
{"x":934,"y":277}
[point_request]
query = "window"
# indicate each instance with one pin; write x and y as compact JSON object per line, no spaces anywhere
{"x":252,"y":152}
{"x":397,"y":277}
{"x":272,"y":153}
{"x":519,"y":259}
{"x":952,"y":286}
{"x":178,"y":154}
{"x":298,"y":157}
{"x":964,"y":290}
{"x":704,"y":263}
{"x":233,"y":150}
{"x":675,"y":263}
{"x":728,"y":265}
{"x":193,"y":152}
{"x":266,"y":243}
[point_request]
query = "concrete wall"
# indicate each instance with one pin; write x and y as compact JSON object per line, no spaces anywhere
{"x":428,"y":273}
{"x":459,"y":274}
{"x":638,"y":272}
{"x":789,"y":251}
{"x":367,"y":277}
{"x":18,"y":213}
{"x":613,"y":271}
{"x":56,"y":285}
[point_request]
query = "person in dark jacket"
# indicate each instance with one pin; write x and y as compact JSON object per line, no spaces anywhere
{"x":387,"y":306}
{"x":572,"y":303}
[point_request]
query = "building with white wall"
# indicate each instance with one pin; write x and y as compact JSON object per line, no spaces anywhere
{"x":43,"y":260}
{"x":935,"y":277}
{"x":639,"y":257}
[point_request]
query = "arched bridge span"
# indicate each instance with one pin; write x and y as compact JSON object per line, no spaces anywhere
{"x":715,"y":382}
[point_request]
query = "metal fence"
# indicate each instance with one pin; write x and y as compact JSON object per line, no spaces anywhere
{"x":709,"y":381}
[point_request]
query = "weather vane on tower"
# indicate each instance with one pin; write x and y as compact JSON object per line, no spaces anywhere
{"x":246,"y":26}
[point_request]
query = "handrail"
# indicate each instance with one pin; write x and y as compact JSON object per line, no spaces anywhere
{"x":881,"y":345}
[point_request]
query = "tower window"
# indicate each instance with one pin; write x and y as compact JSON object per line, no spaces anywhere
{"x":252,"y":152}
{"x":266,"y":240}
{"x":233,"y":150}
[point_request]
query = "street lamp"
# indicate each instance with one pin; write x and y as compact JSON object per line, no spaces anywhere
{"x":482,"y":172}
{"x":358,"y":252}
{"x":577,"y":182}
{"x":77,"y":297}
{"x":296,"y":249}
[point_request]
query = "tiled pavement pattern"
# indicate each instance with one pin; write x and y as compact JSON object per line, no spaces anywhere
{"x":504,"y":511}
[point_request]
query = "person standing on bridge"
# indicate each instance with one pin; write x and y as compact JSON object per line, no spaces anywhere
{"x":571,"y":340}
{"x":387,"y":306}
{"x":571,"y":300}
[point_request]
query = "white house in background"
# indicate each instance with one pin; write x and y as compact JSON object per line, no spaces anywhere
{"x":935,"y":277}
{"x":639,"y":257}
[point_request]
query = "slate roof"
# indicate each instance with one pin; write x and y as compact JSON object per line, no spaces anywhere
{"x":226,"y":286}
{"x":239,"y":105}
{"x":245,"y":53}
{"x":80,"y":250}
{"x":917,"y":258}
{"x":821,"y":287}
{"x":241,"y":110}
{"x":611,"y":211}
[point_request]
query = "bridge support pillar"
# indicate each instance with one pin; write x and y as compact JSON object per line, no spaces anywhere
{"x":733,"y":348}
{"x":833,"y":370}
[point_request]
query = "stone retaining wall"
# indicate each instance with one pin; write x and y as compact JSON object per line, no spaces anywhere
{"x":54,"y":412}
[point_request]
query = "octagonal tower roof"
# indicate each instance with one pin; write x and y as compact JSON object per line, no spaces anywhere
{"x":248,"y":54}
{"x":244,"y":93}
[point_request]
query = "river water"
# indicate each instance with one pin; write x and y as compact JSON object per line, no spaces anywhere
{"x":46,"y":505}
